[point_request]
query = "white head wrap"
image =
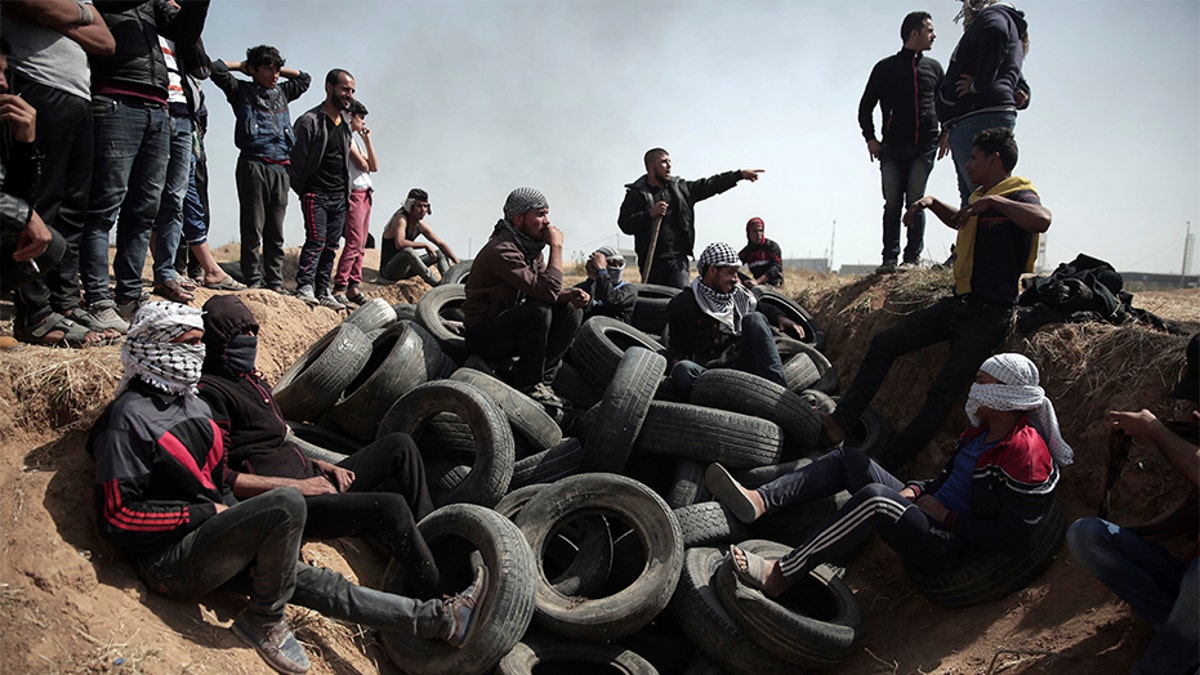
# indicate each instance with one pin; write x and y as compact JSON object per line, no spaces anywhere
{"x":150,"y":355}
{"x":1019,"y":391}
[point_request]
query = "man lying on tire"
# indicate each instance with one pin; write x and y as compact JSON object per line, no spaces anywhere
{"x":377,"y":493}
{"x":717,"y":323}
{"x":516,"y":304}
{"x":161,"y":494}
{"x":1160,"y":586}
{"x":994,"y":490}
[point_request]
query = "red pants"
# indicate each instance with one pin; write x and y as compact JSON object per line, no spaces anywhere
{"x":358,"y":223}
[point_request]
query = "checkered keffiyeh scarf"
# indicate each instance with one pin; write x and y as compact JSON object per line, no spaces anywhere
{"x":523,"y":200}
{"x":1019,"y":391}
{"x":149,"y":355}
{"x":727,"y":308}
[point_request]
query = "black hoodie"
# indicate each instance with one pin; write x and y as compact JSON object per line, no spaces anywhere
{"x":990,"y":51}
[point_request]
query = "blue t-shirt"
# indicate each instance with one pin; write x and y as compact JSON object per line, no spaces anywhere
{"x":955,"y":493}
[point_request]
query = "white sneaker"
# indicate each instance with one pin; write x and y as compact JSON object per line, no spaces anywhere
{"x":305,"y":293}
{"x":331,"y":302}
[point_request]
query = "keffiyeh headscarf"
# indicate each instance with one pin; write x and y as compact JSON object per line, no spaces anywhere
{"x":523,"y":200}
{"x":149,"y":355}
{"x":416,"y":195}
{"x":1019,"y":391}
{"x":727,"y":308}
{"x":616,"y":264}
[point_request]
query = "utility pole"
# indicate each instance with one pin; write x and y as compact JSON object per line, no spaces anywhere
{"x":832,"y":239}
{"x":1188,"y":241}
{"x":1040,"y":267}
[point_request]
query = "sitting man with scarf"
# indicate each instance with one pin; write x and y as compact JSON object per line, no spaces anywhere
{"x":992,"y":493}
{"x":377,"y":493}
{"x":611,"y":295}
{"x":717,"y":323}
{"x":997,"y":241}
{"x":516,"y":304}
{"x":161,"y":494}
{"x":762,"y":256}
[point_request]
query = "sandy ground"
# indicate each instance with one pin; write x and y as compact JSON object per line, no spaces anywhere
{"x":69,"y":603}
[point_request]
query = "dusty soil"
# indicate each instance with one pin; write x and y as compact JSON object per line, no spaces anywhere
{"x":69,"y":603}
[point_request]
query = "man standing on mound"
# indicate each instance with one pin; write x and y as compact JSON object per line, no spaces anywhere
{"x":161,"y":494}
{"x":516,"y":304}
{"x":997,"y":242}
{"x":659,"y":211}
{"x":992,"y":493}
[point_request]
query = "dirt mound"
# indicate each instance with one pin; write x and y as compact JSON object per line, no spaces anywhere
{"x":72,"y":604}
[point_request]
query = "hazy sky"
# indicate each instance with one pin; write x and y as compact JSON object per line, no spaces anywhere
{"x":471,"y":99}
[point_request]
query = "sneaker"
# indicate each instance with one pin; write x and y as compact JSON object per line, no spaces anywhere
{"x":887,"y":267}
{"x":101,"y":316}
{"x":341,"y":297}
{"x":127,"y":308}
{"x":305,"y":293}
{"x":275,"y":643}
{"x":331,"y":302}
{"x":460,"y":609}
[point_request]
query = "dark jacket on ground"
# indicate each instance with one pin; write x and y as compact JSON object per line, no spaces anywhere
{"x":135,"y":27}
{"x":160,"y":468}
{"x":309,"y":148}
{"x":990,"y":51}
{"x":696,"y":336}
{"x":677,"y":236}
{"x":904,"y":85}
{"x":264,"y":127}
{"x":501,"y":278}
{"x":765,"y":258}
{"x":609,"y":299}
{"x":1011,"y":489}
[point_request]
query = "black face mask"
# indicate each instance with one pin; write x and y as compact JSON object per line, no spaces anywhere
{"x":241,"y":353}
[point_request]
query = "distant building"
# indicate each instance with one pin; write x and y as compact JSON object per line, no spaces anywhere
{"x":818,"y":265}
{"x":856,"y":269}
{"x":1150,"y":281}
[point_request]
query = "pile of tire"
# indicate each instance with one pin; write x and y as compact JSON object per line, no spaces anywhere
{"x":602,"y":542}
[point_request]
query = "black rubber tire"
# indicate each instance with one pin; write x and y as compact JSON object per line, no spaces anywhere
{"x":570,"y":384}
{"x":405,"y":311}
{"x":494,"y":451}
{"x":457,"y":273}
{"x":816,"y":623}
{"x":431,"y":313}
{"x":398,"y":363}
{"x":600,"y":344}
{"x":593,"y":557}
{"x":709,"y":524}
{"x":438,"y":363}
{"x":701,"y":615}
{"x":328,"y":439}
{"x":649,"y":314}
{"x":372,"y":315}
{"x":581,"y":424}
{"x":319,"y":376}
{"x":636,"y":605}
{"x":709,"y":435}
{"x":622,"y":411}
{"x":447,"y":436}
{"x":314,"y":451}
{"x":505,"y":610}
{"x":687,"y":486}
{"x":443,"y":475}
{"x":792,"y":310}
{"x":995,"y":575}
{"x":527,"y":417}
{"x":657,"y":291}
{"x":558,"y":462}
{"x":870,"y":433}
{"x":749,"y":394}
{"x":819,"y":400}
{"x":800,"y":372}
{"x":548,"y":654}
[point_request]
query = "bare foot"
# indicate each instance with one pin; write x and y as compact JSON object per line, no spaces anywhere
{"x":758,"y":572}
{"x":747,"y":505}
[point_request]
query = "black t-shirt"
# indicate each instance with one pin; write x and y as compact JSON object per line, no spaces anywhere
{"x":1001,"y":250}
{"x":672,"y":227}
{"x":331,"y":175}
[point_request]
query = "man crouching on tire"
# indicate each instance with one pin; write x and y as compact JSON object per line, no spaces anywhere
{"x":995,"y":489}
{"x":161,"y":494}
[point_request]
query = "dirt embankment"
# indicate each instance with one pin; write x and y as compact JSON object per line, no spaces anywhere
{"x":69,"y":603}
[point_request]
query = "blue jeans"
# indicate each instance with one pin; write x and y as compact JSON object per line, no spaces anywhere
{"x":168,"y":226}
{"x":324,"y":217}
{"x":905,"y":171}
{"x":195,"y":222}
{"x":132,"y":148}
{"x":1164,"y":589}
{"x":963,"y":133}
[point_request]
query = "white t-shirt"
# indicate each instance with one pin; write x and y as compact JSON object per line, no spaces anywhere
{"x":47,"y":57}
{"x":359,"y":179}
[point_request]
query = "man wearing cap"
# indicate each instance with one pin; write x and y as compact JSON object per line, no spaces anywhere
{"x":659,"y":211}
{"x":161,"y":494}
{"x":1160,"y":586}
{"x":717,"y":323}
{"x":762,"y":256}
{"x":401,"y":254}
{"x":516,"y":304}
{"x":994,"y":490}
{"x":611,"y":295}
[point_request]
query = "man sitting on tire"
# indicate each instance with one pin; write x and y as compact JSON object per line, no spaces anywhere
{"x":995,"y":489}
{"x":717,"y":323}
{"x":516,"y":304}
{"x":611,"y":295}
{"x":377,"y":493}
{"x":161,"y":494}
{"x":1160,"y":586}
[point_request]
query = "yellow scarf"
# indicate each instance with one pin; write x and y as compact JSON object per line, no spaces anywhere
{"x":964,"y":246}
